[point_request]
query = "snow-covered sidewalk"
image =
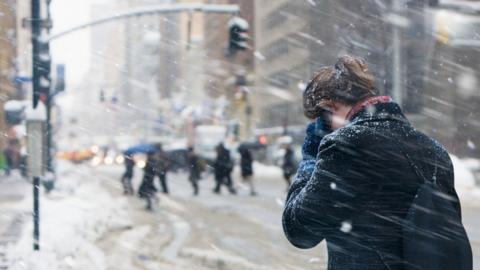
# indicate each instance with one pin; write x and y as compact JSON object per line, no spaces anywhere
{"x":72,"y":218}
{"x":87,"y":224}
{"x":13,"y":190}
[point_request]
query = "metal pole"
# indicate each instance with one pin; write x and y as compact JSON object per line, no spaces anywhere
{"x":48,"y":132}
{"x":189,"y":30}
{"x":127,"y":89}
{"x":36,"y":213}
{"x":397,"y":56}
{"x":285,"y":123}
{"x":48,"y":104}
{"x":248,"y":112}
{"x":153,"y":10}
{"x":36,"y":29}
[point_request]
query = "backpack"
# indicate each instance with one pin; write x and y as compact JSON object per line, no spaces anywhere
{"x":433,"y":233}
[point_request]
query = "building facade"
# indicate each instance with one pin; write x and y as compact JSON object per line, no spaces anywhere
{"x":429,"y":79}
{"x":15,"y":59}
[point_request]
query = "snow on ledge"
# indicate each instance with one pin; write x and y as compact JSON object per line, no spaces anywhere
{"x":37,"y":114}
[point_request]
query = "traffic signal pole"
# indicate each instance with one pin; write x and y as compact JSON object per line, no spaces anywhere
{"x":153,"y":10}
{"x":36,"y":31}
{"x":48,"y":104}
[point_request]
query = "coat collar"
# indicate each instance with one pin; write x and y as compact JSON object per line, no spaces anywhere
{"x":366,"y":103}
{"x":376,"y":109}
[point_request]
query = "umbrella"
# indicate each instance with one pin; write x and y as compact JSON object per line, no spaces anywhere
{"x":250,"y":146}
{"x":140,"y":148}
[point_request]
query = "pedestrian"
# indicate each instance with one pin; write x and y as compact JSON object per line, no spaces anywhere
{"x":365,"y":177}
{"x":147,"y":188}
{"x":163,"y":163}
{"x":128,"y":175}
{"x":223,"y":167}
{"x":194,"y":170}
{"x":246,"y":166}
{"x":8,"y":160}
{"x":289,"y":165}
{"x":13,"y":155}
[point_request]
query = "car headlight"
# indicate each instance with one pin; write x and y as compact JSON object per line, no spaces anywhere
{"x":141,"y":164}
{"x":108,"y":160}
{"x":119,"y":159}
{"x":96,"y":161}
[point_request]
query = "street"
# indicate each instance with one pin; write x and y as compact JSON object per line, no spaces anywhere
{"x":205,"y":232}
{"x":364,"y":101}
{"x":212,"y":231}
{"x":183,"y":232}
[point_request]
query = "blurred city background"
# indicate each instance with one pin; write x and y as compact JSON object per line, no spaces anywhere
{"x":180,"y":79}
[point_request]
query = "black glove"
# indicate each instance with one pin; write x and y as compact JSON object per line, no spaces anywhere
{"x":314,"y":134}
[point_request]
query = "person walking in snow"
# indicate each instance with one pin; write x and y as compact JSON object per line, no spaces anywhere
{"x":194,"y":170}
{"x":128,"y":175}
{"x":289,"y":165}
{"x":163,"y":163}
{"x":246,"y":167}
{"x":365,"y":177}
{"x":223,"y":167}
{"x":147,"y":188}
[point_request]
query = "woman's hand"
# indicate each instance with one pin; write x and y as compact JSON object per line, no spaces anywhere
{"x":314,"y":134}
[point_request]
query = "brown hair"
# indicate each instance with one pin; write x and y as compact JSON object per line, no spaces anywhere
{"x":348,"y":82}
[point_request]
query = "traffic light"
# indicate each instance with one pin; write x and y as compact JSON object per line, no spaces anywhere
{"x":42,"y":66}
{"x":238,"y":36}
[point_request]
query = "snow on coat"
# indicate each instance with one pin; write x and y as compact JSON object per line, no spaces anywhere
{"x":356,"y":193}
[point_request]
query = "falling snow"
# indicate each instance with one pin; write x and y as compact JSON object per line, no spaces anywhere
{"x":126,"y":77}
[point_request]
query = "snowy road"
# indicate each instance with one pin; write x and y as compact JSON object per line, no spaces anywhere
{"x":241,"y":231}
{"x":219,"y":231}
{"x":111,"y":231}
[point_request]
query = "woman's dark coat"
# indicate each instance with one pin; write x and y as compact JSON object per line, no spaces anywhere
{"x":147,"y":187}
{"x":193,"y":166}
{"x":289,"y":167}
{"x":357,"y":191}
{"x":246,"y":161}
{"x":223,"y":164}
{"x":163,"y":162}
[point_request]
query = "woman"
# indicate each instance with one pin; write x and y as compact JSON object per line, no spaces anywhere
{"x":194,"y":170}
{"x":223,"y":167}
{"x":147,"y":188}
{"x":128,"y":175}
{"x":246,"y":166}
{"x":289,"y":166}
{"x":360,"y":175}
{"x":162,"y":166}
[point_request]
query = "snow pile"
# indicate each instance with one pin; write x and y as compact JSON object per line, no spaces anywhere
{"x":267,"y":171}
{"x":37,"y":114}
{"x":73,"y":217}
{"x":465,"y":183}
{"x":464,"y":178}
